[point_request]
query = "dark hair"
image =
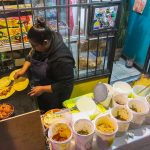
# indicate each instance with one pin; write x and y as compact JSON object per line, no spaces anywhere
{"x":39,"y":32}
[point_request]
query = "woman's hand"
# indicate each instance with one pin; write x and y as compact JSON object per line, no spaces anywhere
{"x":36,"y":91}
{"x":19,"y":74}
{"x":23,"y":70}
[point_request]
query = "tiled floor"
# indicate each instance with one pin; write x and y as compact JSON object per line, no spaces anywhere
{"x":122,"y":73}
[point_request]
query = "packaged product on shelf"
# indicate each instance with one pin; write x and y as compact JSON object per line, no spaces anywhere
{"x":10,"y":7}
{"x":93,"y":45}
{"x":91,"y":60}
{"x":14,"y":29}
{"x":63,"y":28}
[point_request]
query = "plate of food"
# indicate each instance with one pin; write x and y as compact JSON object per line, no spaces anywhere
{"x":51,"y":117}
{"x":6,"y":110}
{"x":6,"y":92}
{"x":8,"y":85}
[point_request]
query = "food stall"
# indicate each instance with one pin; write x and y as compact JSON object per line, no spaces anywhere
{"x":85,"y":123}
{"x":20,"y":124}
{"x":119,"y":122}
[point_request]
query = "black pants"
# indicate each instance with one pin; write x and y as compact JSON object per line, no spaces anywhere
{"x":48,"y":101}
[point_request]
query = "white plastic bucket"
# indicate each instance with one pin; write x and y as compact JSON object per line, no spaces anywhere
{"x":105,"y":138}
{"x":142,"y":106}
{"x":123,"y":125}
{"x":82,"y":141}
{"x":122,"y":88}
{"x":120,"y":99}
{"x":55,"y":129}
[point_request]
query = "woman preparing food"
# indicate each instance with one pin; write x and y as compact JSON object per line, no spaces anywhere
{"x":50,"y":64}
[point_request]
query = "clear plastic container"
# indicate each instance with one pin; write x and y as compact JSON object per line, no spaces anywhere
{"x":137,"y":89}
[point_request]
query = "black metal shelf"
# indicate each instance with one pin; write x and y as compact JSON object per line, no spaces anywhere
{"x":109,"y":50}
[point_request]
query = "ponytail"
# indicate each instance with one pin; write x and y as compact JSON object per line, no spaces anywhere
{"x":40,"y":31}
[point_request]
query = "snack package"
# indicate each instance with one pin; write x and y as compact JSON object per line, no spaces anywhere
{"x":14,"y":29}
{"x":92,"y":45}
{"x":91,"y":60}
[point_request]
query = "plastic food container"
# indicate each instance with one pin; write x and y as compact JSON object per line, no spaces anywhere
{"x":148,"y":115}
{"x":122,"y":88}
{"x":123,"y":116}
{"x":83,"y":134}
{"x":120,"y":99}
{"x":60,"y":136}
{"x":105,"y":129}
{"x":140,"y":109}
{"x":148,"y":98}
{"x":138,"y":88}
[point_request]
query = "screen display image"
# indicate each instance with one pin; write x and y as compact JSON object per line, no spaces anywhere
{"x":104,"y":17}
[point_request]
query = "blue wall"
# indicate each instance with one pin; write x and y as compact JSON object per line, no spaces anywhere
{"x":138,"y":34}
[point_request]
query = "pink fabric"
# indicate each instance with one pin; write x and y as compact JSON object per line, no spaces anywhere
{"x":71,"y":21}
{"x":139,"y":5}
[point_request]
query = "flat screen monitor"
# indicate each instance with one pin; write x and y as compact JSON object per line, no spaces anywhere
{"x":104,"y":18}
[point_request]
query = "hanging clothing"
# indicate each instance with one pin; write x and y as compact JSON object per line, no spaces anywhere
{"x":138,"y":34}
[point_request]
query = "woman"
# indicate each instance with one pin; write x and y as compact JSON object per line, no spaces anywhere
{"x":51,"y":67}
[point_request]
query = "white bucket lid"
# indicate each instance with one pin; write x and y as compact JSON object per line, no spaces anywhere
{"x":100,"y":92}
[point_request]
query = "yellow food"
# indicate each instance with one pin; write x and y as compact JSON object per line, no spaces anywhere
{"x":6,"y":92}
{"x":50,"y":117}
{"x":62,"y":132}
{"x":148,"y":98}
{"x":120,"y":99}
{"x":105,"y":125}
{"x":21,"y":83}
{"x":135,"y":108}
{"x":122,"y":114}
{"x":4,"y":82}
{"x":11,"y":76}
